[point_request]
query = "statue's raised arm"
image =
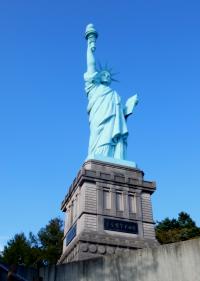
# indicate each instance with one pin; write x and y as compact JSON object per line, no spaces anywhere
{"x":91,"y":36}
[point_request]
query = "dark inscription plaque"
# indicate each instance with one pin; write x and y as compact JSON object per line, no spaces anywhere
{"x":121,"y":226}
{"x":71,"y":234}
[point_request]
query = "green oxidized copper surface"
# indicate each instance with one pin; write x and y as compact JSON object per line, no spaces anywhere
{"x":107,"y":115}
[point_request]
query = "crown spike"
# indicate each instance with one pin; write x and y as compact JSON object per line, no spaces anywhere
{"x":114,"y":80}
{"x":106,"y":67}
{"x":114,"y":73}
{"x":100,"y":66}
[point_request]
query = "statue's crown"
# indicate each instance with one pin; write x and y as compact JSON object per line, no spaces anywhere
{"x":108,"y":69}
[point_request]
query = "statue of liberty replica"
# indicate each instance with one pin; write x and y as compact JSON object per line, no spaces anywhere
{"x":107,"y":116}
{"x":108,"y":205}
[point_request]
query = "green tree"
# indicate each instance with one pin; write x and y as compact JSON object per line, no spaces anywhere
{"x":50,"y":241}
{"x":17,"y":250}
{"x":174,"y":230}
{"x":36,"y":250}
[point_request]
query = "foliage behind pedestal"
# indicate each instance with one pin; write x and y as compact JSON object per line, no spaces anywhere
{"x":43,"y":249}
{"x":175,"y":230}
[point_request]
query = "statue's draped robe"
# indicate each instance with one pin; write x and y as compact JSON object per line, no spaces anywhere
{"x":108,"y":128}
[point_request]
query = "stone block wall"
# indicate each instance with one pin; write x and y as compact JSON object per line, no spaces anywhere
{"x":172,"y":262}
{"x":107,"y":206}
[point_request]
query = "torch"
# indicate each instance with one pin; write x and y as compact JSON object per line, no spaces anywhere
{"x":91,"y":36}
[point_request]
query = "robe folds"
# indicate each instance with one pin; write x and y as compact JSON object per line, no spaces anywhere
{"x":106,"y":117}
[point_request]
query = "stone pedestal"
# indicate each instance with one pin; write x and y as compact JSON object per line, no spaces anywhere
{"x":108,"y":210}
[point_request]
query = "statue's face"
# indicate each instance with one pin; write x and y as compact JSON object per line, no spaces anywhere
{"x":105,"y":77}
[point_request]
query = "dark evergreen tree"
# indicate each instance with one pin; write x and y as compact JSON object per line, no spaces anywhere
{"x":17,"y":251}
{"x":174,"y":230}
{"x":50,"y":241}
{"x":45,"y":248}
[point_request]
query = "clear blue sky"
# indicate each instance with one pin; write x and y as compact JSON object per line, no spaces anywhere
{"x":154,"y":45}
